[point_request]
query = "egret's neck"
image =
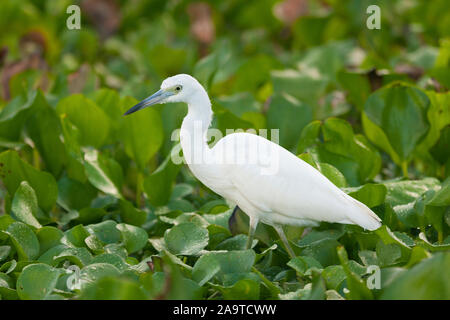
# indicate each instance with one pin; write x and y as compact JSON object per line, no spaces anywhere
{"x":193,"y":134}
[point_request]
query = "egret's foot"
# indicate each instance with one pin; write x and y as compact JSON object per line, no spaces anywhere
{"x":285,"y":241}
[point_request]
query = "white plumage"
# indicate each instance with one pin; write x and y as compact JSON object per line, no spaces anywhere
{"x":266,"y":181}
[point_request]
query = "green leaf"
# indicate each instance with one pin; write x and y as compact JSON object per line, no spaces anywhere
{"x":92,"y":122}
{"x":302,"y":86}
{"x":401,"y":112}
{"x":334,"y":276}
{"x":378,"y":137}
{"x":238,"y":242}
{"x":74,"y":195}
{"x":439,"y":70}
{"x":245,"y":289}
{"x":439,"y":118}
{"x":105,"y":231}
{"x":289,"y":116}
{"x":112,"y":259}
{"x":158,"y":185}
{"x":48,"y":237}
{"x":14,"y":170}
{"x":323,"y":251}
{"x":71,"y":134}
{"x":44,"y":128}
{"x":357,"y":86}
{"x":14,"y":115}
{"x":48,"y":256}
{"x":441,"y":197}
{"x":228,"y":262}
{"x":90,"y":215}
{"x":94,"y":244}
{"x":79,"y":256}
{"x":370,"y":194}
{"x":24,"y":205}
{"x":37,"y":281}
{"x":109,"y":101}
{"x":142,"y":134}
{"x":113,"y":288}
{"x":186,"y":239}
{"x":393,"y":247}
{"x":134,"y":238}
{"x":5,"y":221}
{"x":301,"y":264}
{"x":75,"y":236}
{"x":425,"y":281}
{"x":423,"y":241}
{"x":95,"y":271}
{"x":24,"y":240}
{"x":318,"y":286}
{"x":249,"y":78}
{"x":4,"y":252}
{"x":388,"y":254}
{"x":104,"y":173}
{"x":329,"y":171}
{"x":350,"y":153}
{"x":357,"y":287}
{"x":403,"y":195}
{"x":130,"y":214}
{"x":7,"y":286}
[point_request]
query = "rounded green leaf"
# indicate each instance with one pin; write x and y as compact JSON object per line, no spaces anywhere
{"x":350,"y":153}
{"x":96,"y":271}
{"x":105,"y":231}
{"x":133,"y":237}
{"x":37,"y":281}
{"x":245,"y":289}
{"x":158,"y":185}
{"x":370,"y":194}
{"x":24,"y":205}
{"x":186,"y":239}
{"x":104,"y":173}
{"x":90,"y":215}
{"x":48,"y":237}
{"x":79,"y":256}
{"x":24,"y":240}
{"x":113,"y":288}
{"x":44,"y":128}
{"x":14,"y":170}
{"x":289,"y":116}
{"x":142,"y":134}
{"x":227,"y":263}
{"x":428,"y":280}
{"x":91,"y":121}
{"x":74,"y":195}
{"x":130,"y":214}
{"x":4,"y":252}
{"x":400,"y":111}
{"x":111,"y":258}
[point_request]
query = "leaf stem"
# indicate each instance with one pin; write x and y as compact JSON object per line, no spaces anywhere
{"x":139,"y":180}
{"x":440,"y":237}
{"x":36,"y":159}
{"x":405,"y":169}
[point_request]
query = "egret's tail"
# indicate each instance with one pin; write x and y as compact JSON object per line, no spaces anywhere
{"x":363,"y":216}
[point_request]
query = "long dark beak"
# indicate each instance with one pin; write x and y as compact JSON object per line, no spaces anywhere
{"x":155,"y":98}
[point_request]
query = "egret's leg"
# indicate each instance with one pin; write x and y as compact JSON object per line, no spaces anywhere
{"x":251,"y":232}
{"x":283,"y":238}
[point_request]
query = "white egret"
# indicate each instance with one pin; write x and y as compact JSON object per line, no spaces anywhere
{"x":270,"y":184}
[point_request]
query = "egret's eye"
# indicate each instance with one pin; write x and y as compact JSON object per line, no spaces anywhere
{"x":178,"y":88}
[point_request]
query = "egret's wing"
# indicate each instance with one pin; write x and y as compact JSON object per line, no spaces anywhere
{"x":276,"y":181}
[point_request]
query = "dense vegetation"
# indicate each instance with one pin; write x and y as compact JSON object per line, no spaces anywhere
{"x":93,"y":208}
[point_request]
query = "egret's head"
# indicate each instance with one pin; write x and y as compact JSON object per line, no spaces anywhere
{"x":179,"y":88}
